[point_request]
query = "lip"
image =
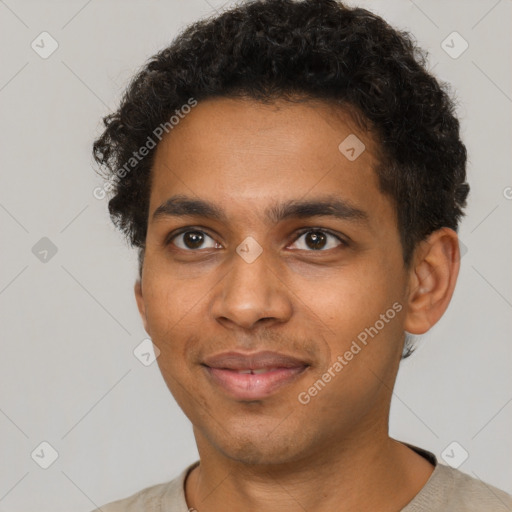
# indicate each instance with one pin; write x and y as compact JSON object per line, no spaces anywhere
{"x":272,"y":371}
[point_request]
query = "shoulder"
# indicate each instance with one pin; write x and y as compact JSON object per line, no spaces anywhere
{"x":475,"y":494}
{"x":164,"y":497}
{"x":451,"y":489}
{"x":146,"y":500}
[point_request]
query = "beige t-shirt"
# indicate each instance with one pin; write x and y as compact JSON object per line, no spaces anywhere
{"x":447,"y":490}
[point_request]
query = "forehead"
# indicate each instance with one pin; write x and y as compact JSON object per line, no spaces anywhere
{"x":242,"y":153}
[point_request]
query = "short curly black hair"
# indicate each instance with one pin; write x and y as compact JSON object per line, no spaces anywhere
{"x":314,"y":49}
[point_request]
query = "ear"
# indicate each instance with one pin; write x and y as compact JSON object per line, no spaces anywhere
{"x":140,"y":303}
{"x":432,"y":279}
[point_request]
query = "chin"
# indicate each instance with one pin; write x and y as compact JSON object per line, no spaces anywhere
{"x":257,"y":445}
{"x":261,"y":454}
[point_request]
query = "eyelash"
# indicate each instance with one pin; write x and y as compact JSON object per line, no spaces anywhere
{"x":301,"y":232}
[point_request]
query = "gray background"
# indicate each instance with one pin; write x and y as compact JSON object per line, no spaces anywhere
{"x":69,"y":324}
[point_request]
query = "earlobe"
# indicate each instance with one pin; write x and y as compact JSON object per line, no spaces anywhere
{"x":140,"y":303}
{"x":432,"y":280}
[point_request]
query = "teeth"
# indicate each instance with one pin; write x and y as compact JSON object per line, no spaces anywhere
{"x":257,"y":372}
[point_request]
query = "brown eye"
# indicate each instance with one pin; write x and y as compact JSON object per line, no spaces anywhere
{"x":193,"y":239}
{"x":315,"y":240}
{"x":318,"y":240}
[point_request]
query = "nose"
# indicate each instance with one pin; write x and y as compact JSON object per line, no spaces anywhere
{"x":251,"y":294}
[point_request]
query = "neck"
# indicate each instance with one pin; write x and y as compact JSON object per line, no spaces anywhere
{"x":351,"y":474}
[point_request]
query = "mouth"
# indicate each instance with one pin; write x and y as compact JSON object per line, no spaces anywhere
{"x":250,"y":377}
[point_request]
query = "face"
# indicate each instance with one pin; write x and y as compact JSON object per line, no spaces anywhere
{"x":273,"y":278}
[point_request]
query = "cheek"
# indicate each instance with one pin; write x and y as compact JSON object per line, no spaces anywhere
{"x":361,"y":307}
{"x":351,"y":298}
{"x":364,"y":315}
{"x":172,"y":310}
{"x":172,"y":307}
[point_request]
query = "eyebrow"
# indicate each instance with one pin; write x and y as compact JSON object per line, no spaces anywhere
{"x":183,"y":206}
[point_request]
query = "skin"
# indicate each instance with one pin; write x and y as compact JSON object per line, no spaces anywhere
{"x":275,"y":454}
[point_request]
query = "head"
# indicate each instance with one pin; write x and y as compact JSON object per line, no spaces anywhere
{"x":293,"y":179}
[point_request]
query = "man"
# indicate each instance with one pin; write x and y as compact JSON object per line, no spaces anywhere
{"x":293,"y":179}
